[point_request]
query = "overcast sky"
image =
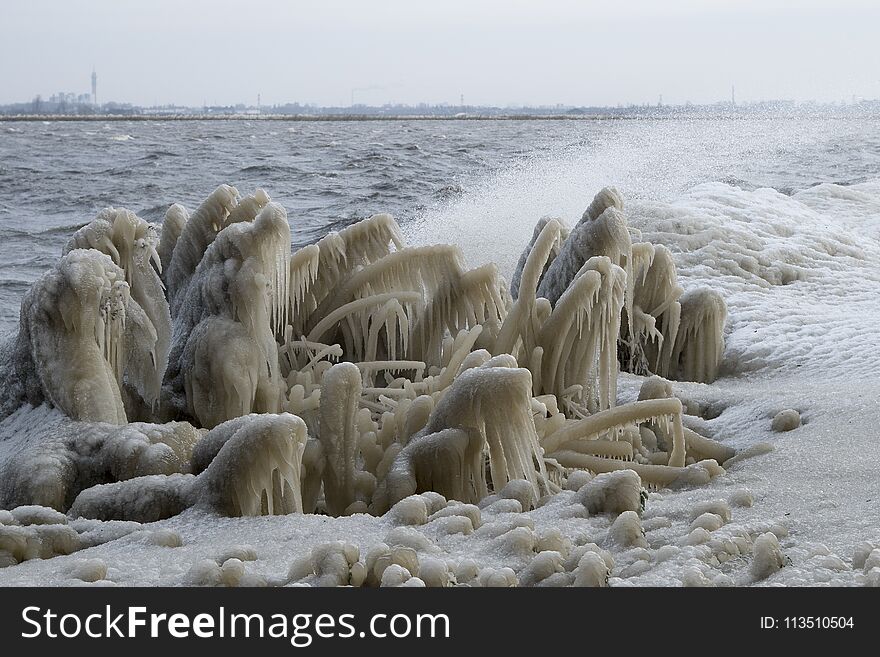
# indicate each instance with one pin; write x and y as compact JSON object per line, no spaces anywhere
{"x":498,"y":52}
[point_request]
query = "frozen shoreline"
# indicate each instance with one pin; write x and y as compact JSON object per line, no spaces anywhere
{"x":815,"y":490}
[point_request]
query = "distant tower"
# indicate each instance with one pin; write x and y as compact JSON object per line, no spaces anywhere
{"x":733,"y":96}
{"x":94,"y":87}
{"x":462,"y":100}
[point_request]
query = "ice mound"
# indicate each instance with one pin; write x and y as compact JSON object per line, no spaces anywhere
{"x":82,"y":339}
{"x":749,"y":246}
{"x":48,"y":459}
{"x":254,"y":466}
{"x":786,"y":420}
{"x":357,"y":376}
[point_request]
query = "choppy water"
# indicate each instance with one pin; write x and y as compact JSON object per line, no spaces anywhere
{"x":481,"y":184}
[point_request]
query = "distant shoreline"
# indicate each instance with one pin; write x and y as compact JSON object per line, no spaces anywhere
{"x":322,"y":117}
{"x":308,"y":118}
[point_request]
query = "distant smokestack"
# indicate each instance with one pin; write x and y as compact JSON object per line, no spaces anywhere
{"x":94,"y":87}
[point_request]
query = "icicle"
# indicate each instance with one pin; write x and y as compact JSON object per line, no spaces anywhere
{"x":343,"y":253}
{"x":699,"y":342}
{"x":421,"y":270}
{"x":258,"y":466}
{"x":303,"y":272}
{"x":492,"y":403}
{"x":359,"y":308}
{"x":661,"y":410}
{"x":459,"y":349}
{"x":114,"y":328}
{"x":579,"y":339}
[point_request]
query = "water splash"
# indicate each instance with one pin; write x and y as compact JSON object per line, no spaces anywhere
{"x":645,"y":159}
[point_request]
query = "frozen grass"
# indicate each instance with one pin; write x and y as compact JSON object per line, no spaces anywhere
{"x":800,"y":276}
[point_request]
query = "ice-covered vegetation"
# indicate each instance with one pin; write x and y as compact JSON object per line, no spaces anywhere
{"x":201,"y":369}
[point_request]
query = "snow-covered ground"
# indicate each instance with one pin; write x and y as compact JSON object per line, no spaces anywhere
{"x":801,"y":276}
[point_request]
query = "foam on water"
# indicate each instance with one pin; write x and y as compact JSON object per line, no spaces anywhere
{"x":645,"y":160}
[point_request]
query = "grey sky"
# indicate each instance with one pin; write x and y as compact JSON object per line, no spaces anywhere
{"x":492,"y":51}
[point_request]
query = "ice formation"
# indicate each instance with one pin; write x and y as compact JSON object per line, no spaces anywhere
{"x":699,"y":341}
{"x":224,"y":357}
{"x":195,"y":236}
{"x":201,"y":367}
{"x":172,"y":226}
{"x":132,"y":244}
{"x":340,"y":394}
{"x":786,"y":420}
{"x":85,"y":344}
{"x":248,"y":466}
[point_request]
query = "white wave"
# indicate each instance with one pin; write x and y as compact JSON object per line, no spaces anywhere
{"x":495,"y":215}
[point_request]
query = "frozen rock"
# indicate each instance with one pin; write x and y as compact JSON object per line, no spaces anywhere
{"x":591,"y":570}
{"x":786,"y":420}
{"x":410,"y":511}
{"x":626,"y":531}
{"x":708,"y":521}
{"x":88,"y":570}
{"x":612,"y":492}
{"x":768,"y":557}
